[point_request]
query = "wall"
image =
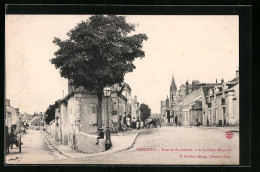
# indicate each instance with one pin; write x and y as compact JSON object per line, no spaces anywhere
{"x":87,"y":143}
{"x":71,"y":119}
{"x":236,"y":105}
{"x":64,"y":123}
{"x":89,"y":101}
{"x":12,"y":117}
{"x":58,"y":125}
{"x":231,"y":106}
{"x":195,"y":114}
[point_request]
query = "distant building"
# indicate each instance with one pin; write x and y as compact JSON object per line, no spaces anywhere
{"x":203,"y":103}
{"x":191,"y":108}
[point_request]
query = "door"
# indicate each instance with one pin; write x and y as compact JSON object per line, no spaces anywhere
{"x":168,"y":116}
{"x":224,"y":115}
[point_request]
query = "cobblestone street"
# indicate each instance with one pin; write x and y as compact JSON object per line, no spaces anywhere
{"x":154,"y":146}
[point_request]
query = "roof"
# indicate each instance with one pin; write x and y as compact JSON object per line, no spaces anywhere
{"x":231,"y":88}
{"x":194,"y":96}
{"x":235,"y":80}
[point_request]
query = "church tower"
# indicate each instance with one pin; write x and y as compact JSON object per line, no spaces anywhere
{"x":173,"y":90}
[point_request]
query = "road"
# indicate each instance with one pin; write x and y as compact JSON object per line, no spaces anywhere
{"x":175,"y":146}
{"x":35,"y":150}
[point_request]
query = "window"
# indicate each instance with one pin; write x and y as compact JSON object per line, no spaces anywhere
{"x":94,"y":109}
{"x":223,"y":101}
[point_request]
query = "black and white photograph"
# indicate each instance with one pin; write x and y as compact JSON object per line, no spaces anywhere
{"x":122,"y":89}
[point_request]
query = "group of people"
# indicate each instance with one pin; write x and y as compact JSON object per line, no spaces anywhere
{"x":133,"y":123}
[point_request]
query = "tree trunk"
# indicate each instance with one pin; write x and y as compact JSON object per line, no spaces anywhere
{"x":99,"y":110}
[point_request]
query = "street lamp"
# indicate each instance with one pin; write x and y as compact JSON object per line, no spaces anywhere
{"x":108,"y":143}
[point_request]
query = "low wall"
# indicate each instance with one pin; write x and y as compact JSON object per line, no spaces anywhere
{"x":87,"y":143}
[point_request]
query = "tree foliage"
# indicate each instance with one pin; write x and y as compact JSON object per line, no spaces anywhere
{"x":50,"y":112}
{"x":99,"y":52}
{"x":145,"y":112}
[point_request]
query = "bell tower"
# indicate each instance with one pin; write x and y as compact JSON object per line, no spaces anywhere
{"x":173,"y":90}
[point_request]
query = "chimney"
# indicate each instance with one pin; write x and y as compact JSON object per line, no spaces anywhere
{"x":216,"y":81}
{"x":135,"y":98}
{"x":187,"y":87}
{"x":237,"y":73}
{"x":7,"y":102}
{"x":222,"y":80}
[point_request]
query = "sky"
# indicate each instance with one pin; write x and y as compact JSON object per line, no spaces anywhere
{"x":188,"y":47}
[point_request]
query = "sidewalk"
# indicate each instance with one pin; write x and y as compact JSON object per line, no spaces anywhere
{"x":120,"y":142}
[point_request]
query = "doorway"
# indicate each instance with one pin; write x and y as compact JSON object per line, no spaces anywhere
{"x":224,"y":115}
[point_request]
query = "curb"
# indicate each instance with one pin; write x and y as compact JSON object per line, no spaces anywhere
{"x":130,"y":145}
{"x":132,"y":142}
{"x":57,"y":149}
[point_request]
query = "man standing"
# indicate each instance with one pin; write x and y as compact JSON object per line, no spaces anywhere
{"x":134,"y":123}
{"x":176,"y":120}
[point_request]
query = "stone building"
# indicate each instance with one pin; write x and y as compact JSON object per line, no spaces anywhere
{"x":223,"y":103}
{"x":76,"y":117}
{"x":190,"y":104}
{"x":12,"y":116}
{"x":191,"y":108}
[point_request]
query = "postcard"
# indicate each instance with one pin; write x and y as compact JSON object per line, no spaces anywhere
{"x":122,"y":89}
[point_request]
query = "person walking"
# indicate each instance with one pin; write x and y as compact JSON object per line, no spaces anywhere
{"x":128,"y":122}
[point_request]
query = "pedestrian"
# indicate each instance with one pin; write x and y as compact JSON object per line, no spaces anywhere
{"x":207,"y":121}
{"x":120,"y":125}
{"x":141,"y":124}
{"x":176,"y":120}
{"x":137,"y":124}
{"x":134,"y":123}
{"x":100,"y":135}
{"x":128,"y":122}
{"x":197,"y":122}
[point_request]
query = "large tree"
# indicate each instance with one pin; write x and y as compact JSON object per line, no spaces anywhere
{"x":50,"y":112}
{"x":99,"y":52}
{"x":145,"y":112}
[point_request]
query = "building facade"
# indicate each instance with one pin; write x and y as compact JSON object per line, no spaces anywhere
{"x":12,"y":116}
{"x":208,"y":104}
{"x":77,"y":114}
{"x":223,"y":105}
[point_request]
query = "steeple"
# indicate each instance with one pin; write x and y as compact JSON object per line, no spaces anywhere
{"x":173,"y":90}
{"x":173,"y":85}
